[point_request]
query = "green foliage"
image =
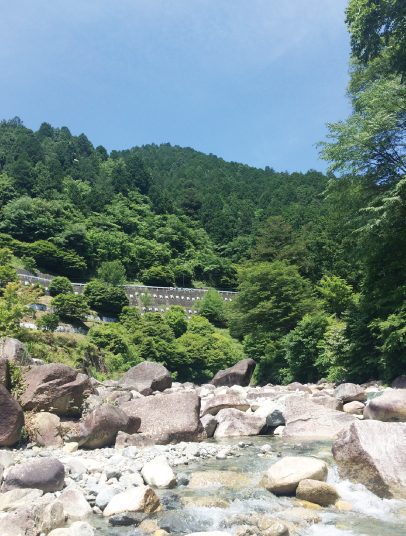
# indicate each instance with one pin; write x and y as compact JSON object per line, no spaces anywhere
{"x":70,"y":306}
{"x":7,"y":275}
{"x":301,"y":348}
{"x":146,"y":299}
{"x":175,"y":317}
{"x":47,"y":322}
{"x":211,"y":306}
{"x":29,"y":264}
{"x":13,"y":306}
{"x":60,"y":285}
{"x":5,"y":256}
{"x":105,"y":299}
{"x":159,"y":276}
{"x":337,"y":295}
{"x":113,"y":273}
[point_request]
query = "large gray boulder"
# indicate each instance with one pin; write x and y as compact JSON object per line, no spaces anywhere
{"x":304,"y":418}
{"x":55,"y":386}
{"x":100,"y":427}
{"x":389,"y":407}
{"x":348,"y":392}
{"x":15,"y":351}
{"x":46,"y":474}
{"x":284,"y":476}
{"x":11,"y":500}
{"x":328,"y":402}
{"x":4,"y":372}
{"x":373,"y":453}
{"x":209,"y":422}
{"x":11,"y":419}
{"x":219,"y":402}
{"x":141,"y":441}
{"x":75,"y":505}
{"x":234,"y":423}
{"x":146,"y":378}
{"x":239,"y":374}
{"x":168,"y":418}
{"x":317,"y":492}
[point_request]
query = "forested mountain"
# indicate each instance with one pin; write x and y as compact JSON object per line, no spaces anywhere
{"x":319,"y":262}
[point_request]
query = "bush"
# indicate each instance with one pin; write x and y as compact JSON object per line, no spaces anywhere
{"x":71,"y":306}
{"x":176,"y":319}
{"x":48,"y":322}
{"x":112,"y":273}
{"x":7,"y":275}
{"x":29,"y":263}
{"x":60,"y":285}
{"x":105,"y":299}
{"x":183,"y":276}
{"x":211,"y":306}
{"x":159,"y":276}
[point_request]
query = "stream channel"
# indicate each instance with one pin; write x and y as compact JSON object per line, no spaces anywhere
{"x":371,"y":516}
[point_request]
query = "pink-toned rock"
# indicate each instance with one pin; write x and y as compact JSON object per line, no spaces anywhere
{"x":328,"y":402}
{"x":389,"y":407}
{"x":304,"y":418}
{"x":46,"y":474}
{"x":48,"y":430}
{"x":234,"y":423}
{"x":239,"y":374}
{"x":373,"y":453}
{"x":4,"y":372}
{"x":11,"y":419}
{"x":300,"y":387}
{"x":219,"y":402}
{"x":168,"y":418}
{"x":146,"y":378}
{"x":55,"y":386}
{"x":354,"y":408}
{"x":348,"y":392}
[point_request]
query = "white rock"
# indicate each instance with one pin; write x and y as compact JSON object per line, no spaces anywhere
{"x":69,"y":448}
{"x":6,"y":459}
{"x":141,"y":499}
{"x":79,"y":528}
{"x":158,"y":473}
{"x":75,"y":505}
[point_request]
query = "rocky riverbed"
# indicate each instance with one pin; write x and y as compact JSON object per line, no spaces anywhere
{"x":144,"y":455}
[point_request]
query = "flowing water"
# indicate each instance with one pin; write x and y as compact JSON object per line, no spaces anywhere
{"x":371,"y":516}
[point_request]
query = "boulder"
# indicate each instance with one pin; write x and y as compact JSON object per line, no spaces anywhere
{"x":11,"y":500}
{"x":105,"y":495}
{"x":284,"y":476}
{"x":298,"y":386}
{"x":146,"y":378}
{"x":47,"y":430}
{"x":348,"y":392}
{"x":209,"y":423}
{"x":141,"y":499}
{"x":389,"y":407}
{"x":1,"y":472}
{"x":328,"y":402}
{"x":128,"y":519}
{"x":219,"y":402}
{"x":141,"y":441}
{"x":317,"y":492}
{"x":46,"y":474}
{"x":100,"y":427}
{"x":354,"y":408}
{"x":4,"y":372}
{"x":33,"y":519}
{"x":11,"y":419}
{"x":239,"y":374}
{"x":15,"y":351}
{"x":373,"y":453}
{"x":75,"y":505}
{"x":158,"y":473}
{"x":169,"y":418}
{"x":304,"y":418}
{"x":55,"y":386}
{"x":399,"y":382}
{"x":235,"y":423}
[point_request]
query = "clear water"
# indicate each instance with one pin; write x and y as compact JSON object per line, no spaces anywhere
{"x":371,"y":516}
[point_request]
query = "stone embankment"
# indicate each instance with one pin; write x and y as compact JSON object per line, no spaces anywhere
{"x":107,"y":448}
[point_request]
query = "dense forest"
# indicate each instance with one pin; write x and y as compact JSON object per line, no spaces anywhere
{"x":318,"y":260}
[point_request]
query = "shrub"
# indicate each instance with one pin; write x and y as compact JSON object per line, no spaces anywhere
{"x":211,"y":306}
{"x":7,"y":275}
{"x":112,"y":273}
{"x":60,"y":285}
{"x":159,"y":276}
{"x":105,"y":299}
{"x":71,"y":306}
{"x":176,"y":319}
{"x":47,"y":322}
{"x":183,"y":276}
{"x":29,"y":263}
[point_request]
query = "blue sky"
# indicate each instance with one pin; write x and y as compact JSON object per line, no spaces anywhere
{"x":253,"y":81}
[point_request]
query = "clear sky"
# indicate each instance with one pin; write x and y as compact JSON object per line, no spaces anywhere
{"x":252,"y":81}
